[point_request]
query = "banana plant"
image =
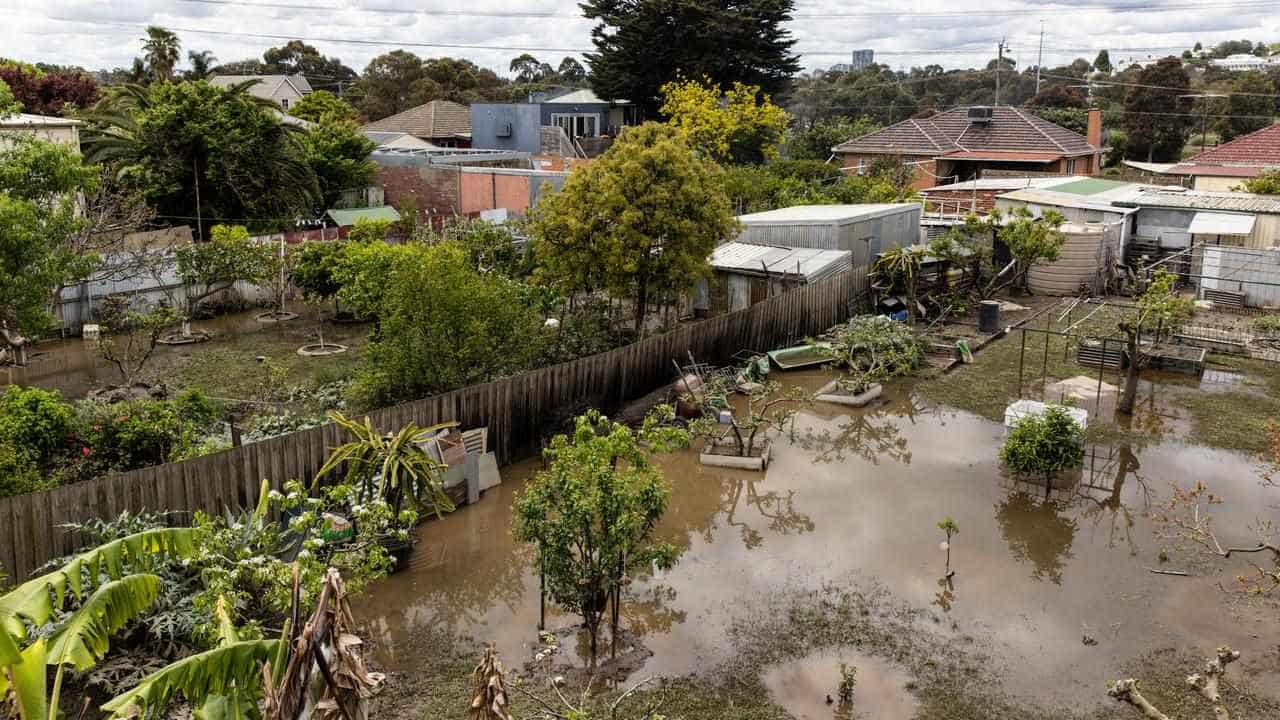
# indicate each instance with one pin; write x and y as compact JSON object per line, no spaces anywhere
{"x":391,"y":467}
{"x":81,"y":639}
{"x":224,"y":683}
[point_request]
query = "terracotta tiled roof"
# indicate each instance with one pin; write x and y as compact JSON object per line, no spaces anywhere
{"x":1011,"y":130}
{"x":436,"y":119}
{"x":1257,"y":149}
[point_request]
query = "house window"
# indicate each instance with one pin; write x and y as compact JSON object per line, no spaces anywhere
{"x":284,"y":103}
{"x":577,"y":125}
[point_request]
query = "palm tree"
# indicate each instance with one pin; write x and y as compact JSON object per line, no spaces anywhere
{"x":161,"y":49}
{"x":202,"y":63}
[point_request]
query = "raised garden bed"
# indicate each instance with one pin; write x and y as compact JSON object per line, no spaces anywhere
{"x":1179,"y":359}
{"x":831,"y":393}
{"x":725,"y":454}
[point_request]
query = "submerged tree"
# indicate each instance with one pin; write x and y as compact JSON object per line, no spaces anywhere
{"x":1044,"y":445}
{"x":591,"y":513}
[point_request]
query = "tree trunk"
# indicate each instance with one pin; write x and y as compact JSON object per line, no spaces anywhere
{"x":1131,"y":377}
{"x":642,"y":301}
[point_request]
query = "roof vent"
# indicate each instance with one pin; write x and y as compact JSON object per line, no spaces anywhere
{"x":980,"y":115}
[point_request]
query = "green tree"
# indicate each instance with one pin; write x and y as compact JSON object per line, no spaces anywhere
{"x":441,"y":325}
{"x":323,"y":106}
{"x":161,"y":49}
{"x":735,"y":126}
{"x":571,"y":71}
{"x":815,"y":142}
{"x":338,"y":154}
{"x":1160,"y":309}
{"x":461,"y":80}
{"x":590,"y":515}
{"x":394,"y":82}
{"x":34,"y":427}
{"x":1267,"y":183}
{"x":1250,"y":107}
{"x":298,"y":58}
{"x":40,"y":183}
{"x":201,"y":62}
{"x":1155,"y":121}
{"x":640,"y":220}
{"x":8,"y":104}
{"x":199,"y":151}
{"x":1031,"y":240}
{"x":527,"y":69}
{"x":642,"y":45}
{"x":314,"y":269}
{"x":1102,"y":63}
{"x":211,"y":267}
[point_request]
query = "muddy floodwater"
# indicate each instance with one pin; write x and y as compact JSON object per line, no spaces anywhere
{"x":1057,"y":583}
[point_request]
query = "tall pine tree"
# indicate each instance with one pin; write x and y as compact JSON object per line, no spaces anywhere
{"x":643,"y":44}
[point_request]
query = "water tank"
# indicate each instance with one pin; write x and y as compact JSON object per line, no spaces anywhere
{"x":1077,"y":263}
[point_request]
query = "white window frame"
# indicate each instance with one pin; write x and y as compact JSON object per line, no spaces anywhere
{"x":284,"y":103}
{"x":576,"y":125}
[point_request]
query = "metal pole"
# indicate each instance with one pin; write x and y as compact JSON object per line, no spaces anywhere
{"x":1102,"y":367}
{"x":1066,"y":344}
{"x":1022,"y":353}
{"x":1040,"y":58}
{"x":542,"y":596}
{"x":1044,"y":368}
{"x":999,"y":63}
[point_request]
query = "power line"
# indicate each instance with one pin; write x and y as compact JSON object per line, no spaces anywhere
{"x":1147,"y":7}
{"x":1116,"y":83}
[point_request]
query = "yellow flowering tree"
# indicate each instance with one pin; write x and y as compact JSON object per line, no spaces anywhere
{"x":740,"y":125}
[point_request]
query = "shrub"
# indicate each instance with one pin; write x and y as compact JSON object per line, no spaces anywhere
{"x":141,"y":433}
{"x":874,"y":349}
{"x":1266,"y":324}
{"x":1044,"y":445}
{"x":34,"y":422}
{"x":19,"y":474}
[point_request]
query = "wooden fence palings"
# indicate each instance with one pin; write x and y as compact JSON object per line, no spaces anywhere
{"x":516,"y":409}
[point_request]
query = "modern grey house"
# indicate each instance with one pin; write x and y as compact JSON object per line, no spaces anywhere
{"x":583,"y":117}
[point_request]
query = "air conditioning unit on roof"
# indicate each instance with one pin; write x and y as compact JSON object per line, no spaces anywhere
{"x":981,"y":114}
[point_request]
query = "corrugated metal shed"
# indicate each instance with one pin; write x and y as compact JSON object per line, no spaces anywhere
{"x":1239,"y":202}
{"x":825,"y":214}
{"x":764,"y":260}
{"x":1215,"y":223}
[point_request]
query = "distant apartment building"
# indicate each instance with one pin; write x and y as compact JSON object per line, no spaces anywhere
{"x":862,"y":58}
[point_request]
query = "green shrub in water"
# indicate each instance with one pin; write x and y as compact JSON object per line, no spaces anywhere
{"x":1044,"y":445}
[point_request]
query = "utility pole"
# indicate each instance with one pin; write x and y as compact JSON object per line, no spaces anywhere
{"x":1040,"y":57}
{"x":1204,"y":111}
{"x":999,"y":65}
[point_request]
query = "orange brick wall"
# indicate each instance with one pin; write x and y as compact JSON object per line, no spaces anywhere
{"x":924,"y":165}
{"x":487,"y":191}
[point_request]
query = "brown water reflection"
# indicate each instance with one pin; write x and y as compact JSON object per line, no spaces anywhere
{"x":859,"y":494}
{"x":803,"y":687}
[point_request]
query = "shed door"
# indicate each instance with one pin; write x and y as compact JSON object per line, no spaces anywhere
{"x":759,"y":290}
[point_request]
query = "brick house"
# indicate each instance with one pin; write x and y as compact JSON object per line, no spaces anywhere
{"x":974,"y":142}
{"x":1228,"y":165}
{"x":442,"y":123}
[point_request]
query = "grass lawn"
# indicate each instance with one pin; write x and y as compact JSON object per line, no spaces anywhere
{"x":1233,"y":419}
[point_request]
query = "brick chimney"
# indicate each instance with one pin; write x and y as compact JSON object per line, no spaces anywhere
{"x":1094,"y":135}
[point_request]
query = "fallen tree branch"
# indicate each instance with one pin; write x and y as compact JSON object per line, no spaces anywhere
{"x":1206,"y":683}
{"x":1178,"y":573}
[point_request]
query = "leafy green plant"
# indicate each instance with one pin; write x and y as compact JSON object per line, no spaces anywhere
{"x":131,"y":344}
{"x":848,"y":681}
{"x":873,"y":349}
{"x":1160,"y":309}
{"x":590,"y":514}
{"x":109,"y":585}
{"x":1044,"y":445}
{"x":34,"y":421}
{"x":900,"y":268}
{"x":1266,"y":324}
{"x":393,"y":468}
{"x":766,"y":408}
{"x":210,"y":267}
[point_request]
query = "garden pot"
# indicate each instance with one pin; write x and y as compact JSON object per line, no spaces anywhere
{"x":726,"y":455}
{"x":829,"y":393}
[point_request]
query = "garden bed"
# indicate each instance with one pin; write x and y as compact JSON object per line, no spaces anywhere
{"x":725,"y":454}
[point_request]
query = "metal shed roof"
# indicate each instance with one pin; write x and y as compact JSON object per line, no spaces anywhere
{"x":1215,"y":223}
{"x":773,"y":260}
{"x":825,"y":214}
{"x":348,"y":217}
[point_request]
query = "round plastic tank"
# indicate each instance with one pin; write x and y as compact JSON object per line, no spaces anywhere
{"x":1076,"y":264}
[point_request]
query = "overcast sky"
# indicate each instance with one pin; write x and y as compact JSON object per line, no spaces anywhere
{"x":952,"y":33}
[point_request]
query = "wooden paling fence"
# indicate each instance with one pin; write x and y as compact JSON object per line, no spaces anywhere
{"x":519,"y":411}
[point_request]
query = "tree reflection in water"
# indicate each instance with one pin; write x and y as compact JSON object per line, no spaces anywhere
{"x":1037,"y":531}
{"x":1102,"y":494}
{"x":868,"y":434}
{"x":778,"y":509}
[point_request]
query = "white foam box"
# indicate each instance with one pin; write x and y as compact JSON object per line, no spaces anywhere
{"x":1024,"y":408}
